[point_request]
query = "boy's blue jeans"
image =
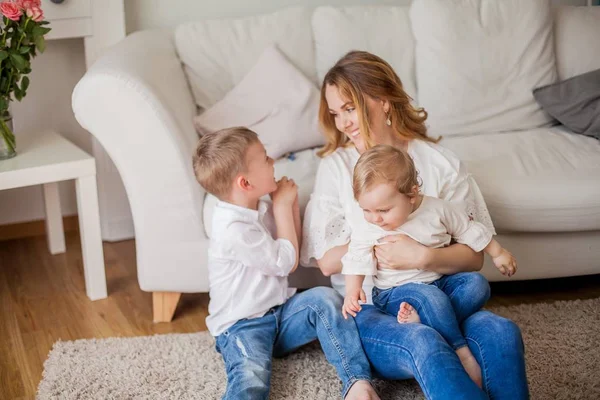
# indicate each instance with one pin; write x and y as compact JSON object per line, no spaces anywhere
{"x":437,"y":303}
{"x":249,"y":345}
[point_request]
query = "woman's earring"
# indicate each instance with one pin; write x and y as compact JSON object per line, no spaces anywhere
{"x":388,"y":121}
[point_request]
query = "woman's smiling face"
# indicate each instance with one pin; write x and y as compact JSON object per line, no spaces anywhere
{"x":346,"y":117}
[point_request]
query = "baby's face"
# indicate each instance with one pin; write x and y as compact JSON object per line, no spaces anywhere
{"x":385,"y":207}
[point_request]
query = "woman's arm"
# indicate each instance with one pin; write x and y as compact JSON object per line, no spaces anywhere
{"x":453,"y":259}
{"x":402,"y":253}
{"x":331,"y":262}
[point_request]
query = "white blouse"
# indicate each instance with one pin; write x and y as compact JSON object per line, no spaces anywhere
{"x":332,"y":202}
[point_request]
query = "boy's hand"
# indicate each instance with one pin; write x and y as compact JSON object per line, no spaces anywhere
{"x":295,"y":206}
{"x":351,"y":305}
{"x":286,"y":192}
{"x":506,"y":263}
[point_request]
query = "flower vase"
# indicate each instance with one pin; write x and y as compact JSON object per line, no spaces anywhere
{"x":8,"y":144}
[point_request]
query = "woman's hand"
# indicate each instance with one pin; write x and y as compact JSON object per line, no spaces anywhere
{"x":401,"y":252}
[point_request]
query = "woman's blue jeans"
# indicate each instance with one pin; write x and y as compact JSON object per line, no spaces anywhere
{"x":402,"y":351}
{"x":470,"y":291}
{"x":249,"y":345}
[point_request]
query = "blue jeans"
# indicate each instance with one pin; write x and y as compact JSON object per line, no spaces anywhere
{"x":248,"y":346}
{"x":403,"y":351}
{"x":434,"y":305}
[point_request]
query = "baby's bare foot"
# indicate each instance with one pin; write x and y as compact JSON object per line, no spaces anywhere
{"x":362,"y":390}
{"x":470,"y":364}
{"x":407,"y":314}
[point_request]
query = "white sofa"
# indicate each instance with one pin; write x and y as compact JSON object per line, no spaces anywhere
{"x":542,"y":185}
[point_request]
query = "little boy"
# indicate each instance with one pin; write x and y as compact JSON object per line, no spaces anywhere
{"x":386,"y":186}
{"x":254,"y":247}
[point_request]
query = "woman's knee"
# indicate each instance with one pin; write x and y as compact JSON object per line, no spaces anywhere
{"x":422,"y":341}
{"x":327,"y":297}
{"x":477,"y":286}
{"x":485,"y":324}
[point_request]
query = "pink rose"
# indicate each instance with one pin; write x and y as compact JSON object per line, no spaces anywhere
{"x":10,"y":10}
{"x":35,"y":13}
{"x":25,"y":4}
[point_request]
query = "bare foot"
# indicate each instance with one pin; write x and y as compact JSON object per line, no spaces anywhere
{"x":362,"y":390}
{"x":407,"y":314}
{"x":470,"y":364}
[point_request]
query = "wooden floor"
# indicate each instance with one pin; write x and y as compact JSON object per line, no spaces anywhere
{"x":42,"y":300}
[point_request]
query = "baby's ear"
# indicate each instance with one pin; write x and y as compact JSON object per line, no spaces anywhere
{"x":414,"y":192}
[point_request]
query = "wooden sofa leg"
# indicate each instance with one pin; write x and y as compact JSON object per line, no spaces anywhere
{"x":164,"y":305}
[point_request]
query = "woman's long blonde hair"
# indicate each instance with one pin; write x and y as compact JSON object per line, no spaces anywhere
{"x":359,"y":74}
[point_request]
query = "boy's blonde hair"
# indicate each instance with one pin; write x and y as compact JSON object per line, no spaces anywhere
{"x":385,"y":164}
{"x":220,"y":156}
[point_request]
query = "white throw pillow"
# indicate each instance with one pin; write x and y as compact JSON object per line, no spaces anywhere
{"x":276,"y":101}
{"x":478,"y":61}
{"x":381,"y":30}
{"x":217,"y":54}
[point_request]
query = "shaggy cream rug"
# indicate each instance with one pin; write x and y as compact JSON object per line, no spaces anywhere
{"x":562,"y":343}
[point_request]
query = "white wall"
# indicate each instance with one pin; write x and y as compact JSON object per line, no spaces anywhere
{"x":56,"y":72}
{"x":47,"y":105}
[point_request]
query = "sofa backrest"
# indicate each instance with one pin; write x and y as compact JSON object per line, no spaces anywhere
{"x":577,"y":40}
{"x":217,"y":54}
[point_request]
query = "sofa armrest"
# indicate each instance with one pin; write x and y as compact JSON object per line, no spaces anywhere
{"x":137,"y":103}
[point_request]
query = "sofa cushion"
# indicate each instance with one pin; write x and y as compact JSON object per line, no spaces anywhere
{"x":339,"y":30}
{"x":576,"y":33}
{"x":478,"y":61}
{"x":574,"y":102}
{"x":540,"y":180}
{"x":276,"y":101}
{"x":217,"y":54}
{"x":301,"y":167}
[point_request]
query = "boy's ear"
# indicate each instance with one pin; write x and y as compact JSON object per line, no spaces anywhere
{"x":243,"y":183}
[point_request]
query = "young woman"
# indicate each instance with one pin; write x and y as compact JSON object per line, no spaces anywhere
{"x":363,"y":104}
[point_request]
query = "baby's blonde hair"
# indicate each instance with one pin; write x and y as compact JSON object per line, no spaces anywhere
{"x":220,"y":156}
{"x":385,"y":164}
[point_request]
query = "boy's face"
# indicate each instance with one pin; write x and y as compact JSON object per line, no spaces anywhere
{"x":385,"y":207}
{"x":261,"y":173}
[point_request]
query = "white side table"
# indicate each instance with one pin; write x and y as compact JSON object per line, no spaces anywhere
{"x":47,"y":159}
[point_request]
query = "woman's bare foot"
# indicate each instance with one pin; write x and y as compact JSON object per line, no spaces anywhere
{"x":362,"y":390}
{"x":470,"y":364}
{"x":407,"y":314}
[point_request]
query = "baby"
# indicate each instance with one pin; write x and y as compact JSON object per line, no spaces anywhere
{"x":386,"y":186}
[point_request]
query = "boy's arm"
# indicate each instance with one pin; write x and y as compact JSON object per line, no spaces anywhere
{"x":257,"y":248}
{"x":297,"y":222}
{"x":286,"y":228}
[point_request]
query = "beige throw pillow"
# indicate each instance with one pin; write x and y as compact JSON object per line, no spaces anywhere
{"x":276,"y":101}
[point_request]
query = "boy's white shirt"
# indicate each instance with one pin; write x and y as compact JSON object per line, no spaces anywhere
{"x":433,"y":224}
{"x":247,"y":266}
